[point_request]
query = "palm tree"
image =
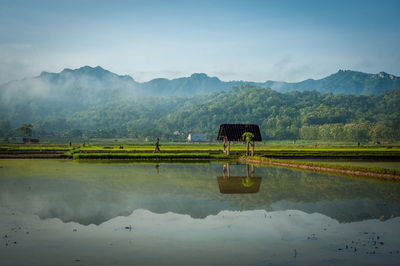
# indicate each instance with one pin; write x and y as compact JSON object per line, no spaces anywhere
{"x":248,"y":136}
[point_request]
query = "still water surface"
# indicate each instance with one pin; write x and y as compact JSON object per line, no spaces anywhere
{"x":55,"y":212}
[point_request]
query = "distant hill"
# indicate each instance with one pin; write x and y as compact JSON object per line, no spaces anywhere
{"x":198,"y":83}
{"x":61,"y":94}
{"x":344,"y":81}
{"x":87,"y":77}
{"x":97,"y":85}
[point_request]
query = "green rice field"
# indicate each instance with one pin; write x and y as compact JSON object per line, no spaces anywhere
{"x":355,"y":162}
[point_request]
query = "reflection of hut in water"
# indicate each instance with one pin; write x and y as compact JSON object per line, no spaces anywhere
{"x":238,"y":184}
{"x":234,"y":132}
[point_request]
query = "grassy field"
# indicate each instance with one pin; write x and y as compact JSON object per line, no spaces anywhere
{"x":389,"y":164}
{"x":331,"y":165}
{"x":142,"y":156}
{"x":270,"y":152}
{"x":260,"y":146}
{"x":107,"y":144}
{"x":280,"y":149}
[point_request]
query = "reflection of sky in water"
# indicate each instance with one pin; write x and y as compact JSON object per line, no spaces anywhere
{"x":178,"y":215}
{"x":231,"y":237}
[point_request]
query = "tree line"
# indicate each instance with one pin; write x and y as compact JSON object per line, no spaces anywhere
{"x":294,"y":115}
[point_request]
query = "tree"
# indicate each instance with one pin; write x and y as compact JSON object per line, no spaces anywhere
{"x":381,"y":132}
{"x":248,"y":136}
{"x":5,"y":129}
{"x":26,"y":130}
{"x":75,"y":133}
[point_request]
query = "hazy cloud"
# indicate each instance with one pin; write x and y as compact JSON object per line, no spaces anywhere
{"x":14,"y":69}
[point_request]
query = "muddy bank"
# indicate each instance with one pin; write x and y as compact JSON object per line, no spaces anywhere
{"x":384,"y":176}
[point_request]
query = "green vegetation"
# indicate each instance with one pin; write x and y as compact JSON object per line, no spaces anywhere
{"x":248,"y":136}
{"x":330,"y":153}
{"x":266,"y":148}
{"x":25,"y":130}
{"x":142,"y":156}
{"x":41,"y":148}
{"x":295,"y":116}
{"x":299,"y":115}
{"x":375,"y":162}
{"x":327,"y":165}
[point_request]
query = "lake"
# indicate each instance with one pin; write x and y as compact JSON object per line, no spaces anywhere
{"x":63,"y":212}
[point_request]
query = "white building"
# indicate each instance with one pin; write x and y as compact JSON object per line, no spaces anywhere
{"x":196,"y":138}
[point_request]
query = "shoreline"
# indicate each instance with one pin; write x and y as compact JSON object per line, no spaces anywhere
{"x":324,"y":168}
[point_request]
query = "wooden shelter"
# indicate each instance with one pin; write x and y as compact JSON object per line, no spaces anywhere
{"x":234,"y":132}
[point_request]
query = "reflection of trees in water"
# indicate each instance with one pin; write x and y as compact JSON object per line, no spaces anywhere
{"x":106,"y":191}
{"x":346,"y":199}
{"x":343,"y":198}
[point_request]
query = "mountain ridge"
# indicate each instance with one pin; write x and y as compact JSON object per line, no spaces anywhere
{"x":343,"y":81}
{"x":90,"y":78}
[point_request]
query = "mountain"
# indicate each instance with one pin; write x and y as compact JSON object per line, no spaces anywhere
{"x":344,"y":81}
{"x":95,"y":85}
{"x":86,"y":84}
{"x":61,"y":94}
{"x":87,"y":77}
{"x":74,"y":92}
{"x":198,"y":83}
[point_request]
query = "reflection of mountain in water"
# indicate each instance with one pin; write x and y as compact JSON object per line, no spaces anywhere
{"x":95,"y":193}
{"x":343,"y":210}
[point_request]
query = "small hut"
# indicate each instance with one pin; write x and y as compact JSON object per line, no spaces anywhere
{"x":234,"y":132}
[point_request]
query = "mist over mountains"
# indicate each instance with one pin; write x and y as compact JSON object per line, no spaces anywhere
{"x":88,"y":82}
{"x":94,"y":102}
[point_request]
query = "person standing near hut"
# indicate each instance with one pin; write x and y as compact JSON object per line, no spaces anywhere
{"x":157,"y":148}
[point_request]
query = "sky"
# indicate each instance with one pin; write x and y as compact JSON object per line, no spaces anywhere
{"x":233,"y":40}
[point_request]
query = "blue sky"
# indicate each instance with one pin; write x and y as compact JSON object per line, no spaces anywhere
{"x":234,"y":40}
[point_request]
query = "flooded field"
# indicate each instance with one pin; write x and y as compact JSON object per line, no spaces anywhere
{"x":60,"y":212}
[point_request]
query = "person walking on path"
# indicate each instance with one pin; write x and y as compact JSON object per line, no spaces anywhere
{"x":157,"y":148}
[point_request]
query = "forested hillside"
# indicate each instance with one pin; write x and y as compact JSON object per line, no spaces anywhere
{"x":292,"y":115}
{"x":297,"y":115}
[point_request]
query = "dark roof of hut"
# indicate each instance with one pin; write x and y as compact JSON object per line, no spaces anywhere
{"x":234,"y":132}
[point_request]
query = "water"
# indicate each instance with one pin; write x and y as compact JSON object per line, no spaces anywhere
{"x":56,"y":212}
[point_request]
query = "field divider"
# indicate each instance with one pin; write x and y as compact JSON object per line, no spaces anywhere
{"x":124,"y":156}
{"x":373,"y":172}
